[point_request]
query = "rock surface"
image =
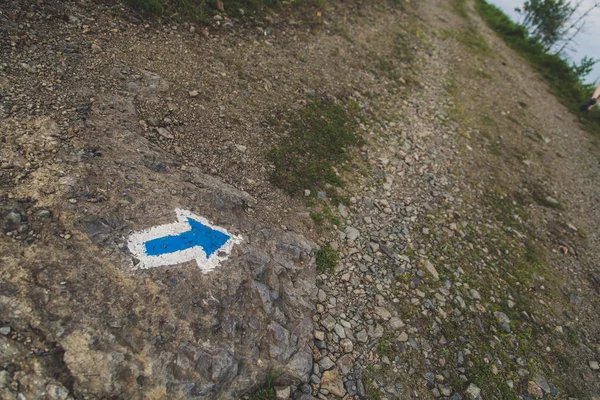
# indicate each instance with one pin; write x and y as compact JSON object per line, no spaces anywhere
{"x":332,"y":382}
{"x":116,"y":331}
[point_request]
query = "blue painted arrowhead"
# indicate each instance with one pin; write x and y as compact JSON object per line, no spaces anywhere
{"x":199,"y":235}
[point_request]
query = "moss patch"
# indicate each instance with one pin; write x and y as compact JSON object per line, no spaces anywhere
{"x":318,"y":139}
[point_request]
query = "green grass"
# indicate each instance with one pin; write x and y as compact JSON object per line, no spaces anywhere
{"x":323,"y":218}
{"x":563,"y":78}
{"x":471,"y":38}
{"x":571,"y":336}
{"x":317,"y":217}
{"x":266,"y":391}
{"x":460,"y":6}
{"x":317,"y":144}
{"x":385,"y":347}
{"x":484,"y":75}
{"x":492,"y":386}
{"x":327,"y":259}
{"x":373,"y":392}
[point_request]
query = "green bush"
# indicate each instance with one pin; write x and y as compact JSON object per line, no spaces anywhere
{"x":564,"y":79}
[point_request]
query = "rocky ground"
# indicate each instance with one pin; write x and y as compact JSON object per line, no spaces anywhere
{"x":462,"y":275}
{"x":465,"y":231}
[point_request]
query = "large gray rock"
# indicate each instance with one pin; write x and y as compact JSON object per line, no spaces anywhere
{"x":74,"y":295}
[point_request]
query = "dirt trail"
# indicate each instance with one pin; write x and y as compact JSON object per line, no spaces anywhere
{"x":466,"y":230}
{"x":481,"y":228}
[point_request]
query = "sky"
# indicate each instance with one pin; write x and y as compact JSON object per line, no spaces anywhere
{"x":588,"y":42}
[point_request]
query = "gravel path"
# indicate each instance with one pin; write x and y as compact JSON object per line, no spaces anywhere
{"x":461,"y":275}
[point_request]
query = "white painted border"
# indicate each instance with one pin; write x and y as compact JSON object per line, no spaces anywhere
{"x":138,"y":249}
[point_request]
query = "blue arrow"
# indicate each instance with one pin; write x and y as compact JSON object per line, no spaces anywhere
{"x":209,"y":239}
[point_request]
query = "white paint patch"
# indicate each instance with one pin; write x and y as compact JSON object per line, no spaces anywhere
{"x":137,"y":244}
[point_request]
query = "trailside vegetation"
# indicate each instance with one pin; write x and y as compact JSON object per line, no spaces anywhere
{"x":565,"y":79}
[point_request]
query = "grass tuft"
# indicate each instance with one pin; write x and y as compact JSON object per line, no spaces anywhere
{"x":327,"y":259}
{"x":267,"y":390}
{"x":460,"y":6}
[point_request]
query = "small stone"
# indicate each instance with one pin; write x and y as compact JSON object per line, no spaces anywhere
{"x":14,"y":218}
{"x":360,"y":386}
{"x":306,"y":192}
{"x":28,"y":68}
{"x":328,"y":322}
{"x":351,"y":387}
{"x":5,"y":330}
{"x":56,"y":391}
{"x":193,"y":93}
{"x":473,"y":391}
{"x":321,"y":296}
{"x":559,"y":329}
{"x":376,"y":332}
{"x":383,"y":313}
{"x":165,"y":133}
{"x":343,"y":210}
{"x":396,"y":323}
{"x":362,"y":336}
{"x":347,"y":345}
{"x":542,"y":382}
{"x":446,"y":390}
{"x":241,"y":148}
{"x":96,"y":48}
{"x":283,"y":393}
{"x":315,"y":379}
{"x":429,"y":377}
{"x":352,"y":233}
{"x":403,"y":337}
{"x":553,"y":201}
{"x":345,"y":363}
{"x":576,"y":300}
{"x":460,"y":358}
{"x":325,"y":363}
{"x":594,"y":365}
{"x":319,"y":335}
{"x":534,"y":390}
{"x":504,"y":320}
{"x":340,"y":331}
{"x":332,"y":382}
{"x":431,"y":269}
{"x":44,"y":213}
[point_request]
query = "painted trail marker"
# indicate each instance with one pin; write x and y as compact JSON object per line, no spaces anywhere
{"x":191,"y":237}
